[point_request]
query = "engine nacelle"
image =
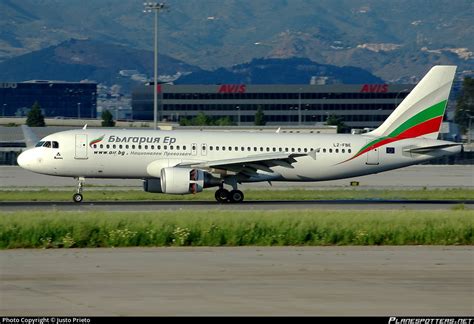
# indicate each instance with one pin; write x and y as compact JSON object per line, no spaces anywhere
{"x":152,"y":185}
{"x":186,"y":180}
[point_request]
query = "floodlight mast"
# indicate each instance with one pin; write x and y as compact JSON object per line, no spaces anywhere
{"x":157,"y":7}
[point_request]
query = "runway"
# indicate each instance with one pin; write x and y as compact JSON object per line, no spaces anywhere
{"x":384,"y":281}
{"x":416,"y":176}
{"x":245,"y":206}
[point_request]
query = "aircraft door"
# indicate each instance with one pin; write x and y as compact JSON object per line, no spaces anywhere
{"x":373,"y":157}
{"x":203,"y":149}
{"x":81,"y":147}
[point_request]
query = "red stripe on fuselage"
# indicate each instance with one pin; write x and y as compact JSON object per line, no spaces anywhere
{"x":427,"y":127}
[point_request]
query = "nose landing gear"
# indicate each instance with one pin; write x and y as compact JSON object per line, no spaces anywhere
{"x":77,"y":197}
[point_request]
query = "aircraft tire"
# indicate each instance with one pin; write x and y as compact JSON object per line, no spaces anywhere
{"x":222,"y":195}
{"x":77,"y":198}
{"x":236,"y":196}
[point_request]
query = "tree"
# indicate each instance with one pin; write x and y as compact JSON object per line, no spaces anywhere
{"x":35,"y":117}
{"x":336,"y":121}
{"x":465,"y":104}
{"x":107,"y":119}
{"x":202,"y":119}
{"x":260,"y":117}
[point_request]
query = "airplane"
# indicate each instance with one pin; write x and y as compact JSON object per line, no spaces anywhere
{"x":185,"y":162}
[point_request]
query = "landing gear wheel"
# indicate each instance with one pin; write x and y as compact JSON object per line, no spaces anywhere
{"x":222,"y":195}
{"x":77,"y":197}
{"x":236,"y":196}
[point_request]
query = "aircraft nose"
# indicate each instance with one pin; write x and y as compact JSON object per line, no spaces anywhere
{"x":24,"y":159}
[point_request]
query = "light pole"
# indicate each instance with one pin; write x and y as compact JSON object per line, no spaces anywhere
{"x":78,"y":110}
{"x":149,"y":6}
{"x":238,"y":115}
{"x":299,"y":106}
{"x":469,"y":131}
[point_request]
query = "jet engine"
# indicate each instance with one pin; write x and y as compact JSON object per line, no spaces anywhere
{"x":184,"y":181}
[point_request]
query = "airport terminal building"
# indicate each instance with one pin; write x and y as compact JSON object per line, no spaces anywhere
{"x":359,"y":106}
{"x":56,"y":98}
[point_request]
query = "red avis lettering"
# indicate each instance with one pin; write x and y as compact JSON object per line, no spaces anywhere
{"x":232,"y":88}
{"x":380,"y":88}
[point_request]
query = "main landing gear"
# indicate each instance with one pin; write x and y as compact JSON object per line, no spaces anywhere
{"x":224,"y":196}
{"x":77,"y":197}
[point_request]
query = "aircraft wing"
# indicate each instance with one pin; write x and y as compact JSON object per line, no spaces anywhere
{"x":249,"y":165}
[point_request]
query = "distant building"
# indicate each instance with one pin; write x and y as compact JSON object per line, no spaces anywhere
{"x":56,"y":98}
{"x":359,"y":106}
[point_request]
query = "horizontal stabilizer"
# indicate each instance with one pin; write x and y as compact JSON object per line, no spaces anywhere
{"x":427,"y":149}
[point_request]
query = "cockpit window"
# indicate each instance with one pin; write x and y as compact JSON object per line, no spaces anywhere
{"x":48,"y":144}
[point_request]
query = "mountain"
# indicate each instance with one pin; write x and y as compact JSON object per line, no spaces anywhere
{"x":280,"y":71}
{"x":395,"y":40}
{"x":77,"y":60}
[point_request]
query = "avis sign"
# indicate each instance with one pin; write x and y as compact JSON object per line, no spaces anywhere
{"x":232,"y":88}
{"x":378,"y":88}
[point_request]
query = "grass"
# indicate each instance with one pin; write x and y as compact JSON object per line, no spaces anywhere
{"x":48,"y":229}
{"x":289,"y":194}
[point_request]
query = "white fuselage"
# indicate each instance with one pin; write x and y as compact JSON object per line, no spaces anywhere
{"x":114,"y":153}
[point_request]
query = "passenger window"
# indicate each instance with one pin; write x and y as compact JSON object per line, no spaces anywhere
{"x":299,"y":149}
{"x":120,"y":146}
{"x":126,"y":146}
{"x":101,"y":145}
{"x":95,"y":146}
{"x":184,"y":147}
{"x":268,"y":149}
{"x":153,"y":147}
{"x":343,"y":151}
{"x":107,"y":146}
{"x":171,"y":147}
{"x":210,"y":148}
{"x":177,"y":147}
{"x":349,"y":150}
{"x":114,"y":146}
{"x":305,"y":150}
{"x":337,"y":150}
{"x":324,"y":150}
{"x":133,"y":147}
{"x":330,"y":150}
{"x":139,"y":147}
{"x":55,"y":144}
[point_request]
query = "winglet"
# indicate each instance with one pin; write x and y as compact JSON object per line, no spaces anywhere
{"x":30,"y":138}
{"x":278,"y":130}
{"x":85,"y":126}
